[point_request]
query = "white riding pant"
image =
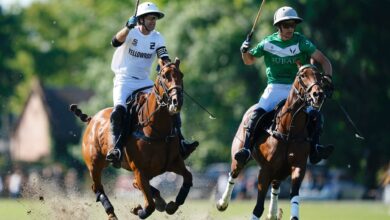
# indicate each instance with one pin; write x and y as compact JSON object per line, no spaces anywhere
{"x":123,"y":88}
{"x":272,"y":95}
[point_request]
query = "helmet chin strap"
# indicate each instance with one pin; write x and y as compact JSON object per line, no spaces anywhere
{"x":142,"y":22}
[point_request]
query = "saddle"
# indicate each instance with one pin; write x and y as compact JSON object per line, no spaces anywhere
{"x":266,"y":124}
{"x":133,"y":104}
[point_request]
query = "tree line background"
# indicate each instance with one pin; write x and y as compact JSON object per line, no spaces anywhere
{"x":68,"y":42}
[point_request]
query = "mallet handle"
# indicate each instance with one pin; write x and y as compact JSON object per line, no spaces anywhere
{"x":249,"y":36}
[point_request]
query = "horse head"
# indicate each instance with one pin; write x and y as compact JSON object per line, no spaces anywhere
{"x":169,"y":86}
{"x":308,"y":85}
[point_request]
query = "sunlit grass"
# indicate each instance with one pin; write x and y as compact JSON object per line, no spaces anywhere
{"x":84,"y":208}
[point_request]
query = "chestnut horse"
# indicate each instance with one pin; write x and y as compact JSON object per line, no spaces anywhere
{"x":285,"y":148}
{"x":151,"y":150}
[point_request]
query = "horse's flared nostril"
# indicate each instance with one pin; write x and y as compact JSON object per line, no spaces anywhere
{"x":318,"y":95}
{"x":174,"y":102}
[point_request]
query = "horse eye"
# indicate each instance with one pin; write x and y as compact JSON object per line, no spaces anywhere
{"x":168,"y":77}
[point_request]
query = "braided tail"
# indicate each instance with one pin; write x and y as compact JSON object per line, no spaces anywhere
{"x":83,"y":117}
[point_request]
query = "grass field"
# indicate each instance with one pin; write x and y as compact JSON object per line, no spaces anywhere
{"x":61,"y":209}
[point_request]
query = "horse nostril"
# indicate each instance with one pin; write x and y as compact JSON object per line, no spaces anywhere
{"x":174,"y":102}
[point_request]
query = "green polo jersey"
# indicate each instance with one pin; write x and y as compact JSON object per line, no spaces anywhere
{"x":280,"y":56}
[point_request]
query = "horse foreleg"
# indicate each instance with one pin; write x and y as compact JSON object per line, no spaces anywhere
{"x":297,"y":174}
{"x":273,"y":204}
{"x":184,"y":190}
{"x":223,"y":202}
{"x":143,"y":185}
{"x":159,"y":201}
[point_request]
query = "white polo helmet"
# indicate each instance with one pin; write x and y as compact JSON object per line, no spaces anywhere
{"x":149,"y":8}
{"x":286,"y":13}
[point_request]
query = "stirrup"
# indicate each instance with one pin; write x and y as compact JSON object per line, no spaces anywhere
{"x":242,"y":156}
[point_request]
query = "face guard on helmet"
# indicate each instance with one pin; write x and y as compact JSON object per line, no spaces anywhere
{"x":149,"y":8}
{"x":286,"y":13}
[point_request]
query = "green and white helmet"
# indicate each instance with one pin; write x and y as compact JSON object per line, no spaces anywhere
{"x":149,"y":8}
{"x":286,"y":13}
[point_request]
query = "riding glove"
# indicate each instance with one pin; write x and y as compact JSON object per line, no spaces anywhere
{"x":131,"y":23}
{"x":245,"y":46}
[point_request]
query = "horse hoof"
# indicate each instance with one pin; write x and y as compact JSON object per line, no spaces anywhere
{"x":112,"y":217}
{"x":280,"y":214}
{"x":171,"y":208}
{"x":221,"y":207}
{"x":136,"y":209}
{"x":160,"y":204}
{"x":142,"y":213}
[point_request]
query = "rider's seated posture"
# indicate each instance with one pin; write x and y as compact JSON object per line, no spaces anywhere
{"x":137,"y":45}
{"x":281,"y":50}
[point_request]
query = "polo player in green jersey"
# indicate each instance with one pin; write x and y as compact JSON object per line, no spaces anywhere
{"x":281,"y":50}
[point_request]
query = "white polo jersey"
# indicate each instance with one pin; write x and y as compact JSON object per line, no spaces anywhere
{"x":134,"y":58}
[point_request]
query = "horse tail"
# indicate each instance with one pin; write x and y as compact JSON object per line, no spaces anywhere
{"x":83,"y":117}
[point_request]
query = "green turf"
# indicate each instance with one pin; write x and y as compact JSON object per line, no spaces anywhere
{"x":199,"y":210}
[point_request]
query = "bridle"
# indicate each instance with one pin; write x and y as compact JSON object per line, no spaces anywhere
{"x":303,"y":93}
{"x":304,"y":100}
{"x":164,"y":99}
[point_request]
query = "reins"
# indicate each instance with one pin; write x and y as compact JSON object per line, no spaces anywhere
{"x":162,"y":101}
{"x":304,"y":99}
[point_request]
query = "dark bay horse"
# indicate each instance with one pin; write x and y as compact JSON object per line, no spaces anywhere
{"x":153,"y":151}
{"x":284,"y":151}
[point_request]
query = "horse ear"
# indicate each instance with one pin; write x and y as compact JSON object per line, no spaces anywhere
{"x":299,"y":64}
{"x":177,"y":62}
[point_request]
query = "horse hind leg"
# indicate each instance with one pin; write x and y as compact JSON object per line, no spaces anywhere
{"x":98,"y":189}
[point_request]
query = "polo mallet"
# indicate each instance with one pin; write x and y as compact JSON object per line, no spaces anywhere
{"x":249,"y":36}
{"x":136,"y":8}
{"x":358,"y":134}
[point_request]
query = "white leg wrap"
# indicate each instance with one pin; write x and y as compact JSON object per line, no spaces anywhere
{"x":228,"y":192}
{"x":273,"y":205}
{"x":295,"y":207}
{"x":254,"y":217}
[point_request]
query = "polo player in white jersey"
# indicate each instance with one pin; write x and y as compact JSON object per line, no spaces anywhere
{"x":137,"y":45}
